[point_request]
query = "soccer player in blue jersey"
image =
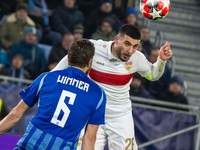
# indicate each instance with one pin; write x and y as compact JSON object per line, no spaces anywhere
{"x":67,"y":102}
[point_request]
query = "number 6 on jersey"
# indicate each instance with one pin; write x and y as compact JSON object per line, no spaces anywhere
{"x":62,"y":106}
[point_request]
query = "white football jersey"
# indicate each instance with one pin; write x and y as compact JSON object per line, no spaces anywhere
{"x":115,"y":76}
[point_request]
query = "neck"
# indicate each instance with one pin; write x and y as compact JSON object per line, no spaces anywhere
{"x":113,"y":50}
{"x":85,"y":69}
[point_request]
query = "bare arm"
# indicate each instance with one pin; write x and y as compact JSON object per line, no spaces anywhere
{"x":89,"y":137}
{"x":13,"y":117}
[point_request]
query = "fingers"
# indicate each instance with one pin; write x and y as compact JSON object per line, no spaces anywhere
{"x":167,"y":48}
{"x":168,"y":52}
{"x":165,"y":51}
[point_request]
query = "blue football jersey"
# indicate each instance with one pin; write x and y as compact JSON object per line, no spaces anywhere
{"x":67,"y":101}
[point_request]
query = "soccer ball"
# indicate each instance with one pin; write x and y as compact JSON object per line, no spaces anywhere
{"x":154,"y":9}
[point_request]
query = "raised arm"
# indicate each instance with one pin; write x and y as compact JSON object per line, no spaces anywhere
{"x":89,"y":137}
{"x":13,"y":117}
{"x":154,"y":71}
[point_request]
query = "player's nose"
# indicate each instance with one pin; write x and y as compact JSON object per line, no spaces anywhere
{"x":130,"y":50}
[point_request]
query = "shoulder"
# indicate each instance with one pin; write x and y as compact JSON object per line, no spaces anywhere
{"x":101,"y":43}
{"x":138,"y":57}
{"x":30,"y":21}
{"x":38,"y":48}
{"x":11,"y":18}
{"x":16,"y":45}
{"x":140,"y":54}
{"x":40,"y":77}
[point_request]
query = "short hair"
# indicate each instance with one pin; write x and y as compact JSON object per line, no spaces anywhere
{"x":130,"y":30}
{"x":80,"y":53}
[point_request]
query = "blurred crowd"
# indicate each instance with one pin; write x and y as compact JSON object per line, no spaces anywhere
{"x":28,"y":27}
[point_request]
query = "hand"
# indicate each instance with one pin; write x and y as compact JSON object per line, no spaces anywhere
{"x":165,"y":52}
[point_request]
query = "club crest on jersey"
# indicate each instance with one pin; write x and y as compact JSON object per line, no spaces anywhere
{"x":128,"y":65}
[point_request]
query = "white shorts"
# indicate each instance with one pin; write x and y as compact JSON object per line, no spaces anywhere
{"x":118,"y":132}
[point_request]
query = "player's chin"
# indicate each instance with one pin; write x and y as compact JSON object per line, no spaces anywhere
{"x":125,"y":58}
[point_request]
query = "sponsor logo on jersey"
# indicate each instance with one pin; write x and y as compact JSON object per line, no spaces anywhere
{"x":100,"y":63}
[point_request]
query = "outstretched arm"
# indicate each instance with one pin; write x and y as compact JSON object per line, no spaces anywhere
{"x":154,"y":71}
{"x":13,"y":117}
{"x":89,"y":137}
{"x":165,"y":53}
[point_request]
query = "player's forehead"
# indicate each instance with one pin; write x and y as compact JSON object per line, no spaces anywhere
{"x":131,"y":40}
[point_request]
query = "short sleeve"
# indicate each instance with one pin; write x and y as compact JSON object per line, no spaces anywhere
{"x":98,"y":116}
{"x":30,"y":94}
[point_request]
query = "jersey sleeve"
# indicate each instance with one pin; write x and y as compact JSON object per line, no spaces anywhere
{"x":98,"y":116}
{"x":63,"y":64}
{"x":30,"y":94}
{"x":151,"y":71}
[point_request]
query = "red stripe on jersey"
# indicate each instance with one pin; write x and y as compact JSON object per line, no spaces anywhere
{"x":111,"y":79}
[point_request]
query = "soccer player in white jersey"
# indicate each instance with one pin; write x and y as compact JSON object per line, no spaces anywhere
{"x":114,"y":65}
{"x":67,"y":101}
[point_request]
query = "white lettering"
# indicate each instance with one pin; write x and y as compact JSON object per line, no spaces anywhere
{"x":73,"y":82}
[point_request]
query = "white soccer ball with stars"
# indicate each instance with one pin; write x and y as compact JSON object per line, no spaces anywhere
{"x":154,"y":9}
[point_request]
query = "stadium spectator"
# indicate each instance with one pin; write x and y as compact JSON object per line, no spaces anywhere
{"x":3,"y":62}
{"x":65,"y":17}
{"x":61,"y":49}
{"x":63,"y":109}
{"x":96,"y":16}
{"x":145,"y":35}
{"x":39,"y":12}
{"x":131,"y":17}
{"x":34,"y":59}
{"x":105,"y":30}
{"x":17,"y":69}
{"x":78,"y":32}
{"x":140,"y":48}
{"x":174,"y":92}
{"x":156,"y":87}
{"x":120,"y":7}
{"x":137,"y":87}
{"x":12,"y":28}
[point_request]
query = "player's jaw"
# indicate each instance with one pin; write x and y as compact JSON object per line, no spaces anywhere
{"x":122,"y":55}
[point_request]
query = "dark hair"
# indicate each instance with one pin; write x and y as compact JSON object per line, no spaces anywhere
{"x":80,"y":53}
{"x":130,"y":30}
{"x":23,"y":6}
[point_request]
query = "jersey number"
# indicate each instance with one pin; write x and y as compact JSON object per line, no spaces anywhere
{"x":62,"y":106}
{"x":130,"y":142}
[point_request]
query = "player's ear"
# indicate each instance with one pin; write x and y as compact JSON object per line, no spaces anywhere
{"x":116,"y":38}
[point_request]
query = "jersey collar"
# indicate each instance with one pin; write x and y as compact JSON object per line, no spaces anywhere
{"x":76,"y":71}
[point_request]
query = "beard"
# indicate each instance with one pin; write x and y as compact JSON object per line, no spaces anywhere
{"x":123,"y":57}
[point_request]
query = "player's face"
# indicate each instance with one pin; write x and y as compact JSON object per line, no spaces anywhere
{"x":125,"y":47}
